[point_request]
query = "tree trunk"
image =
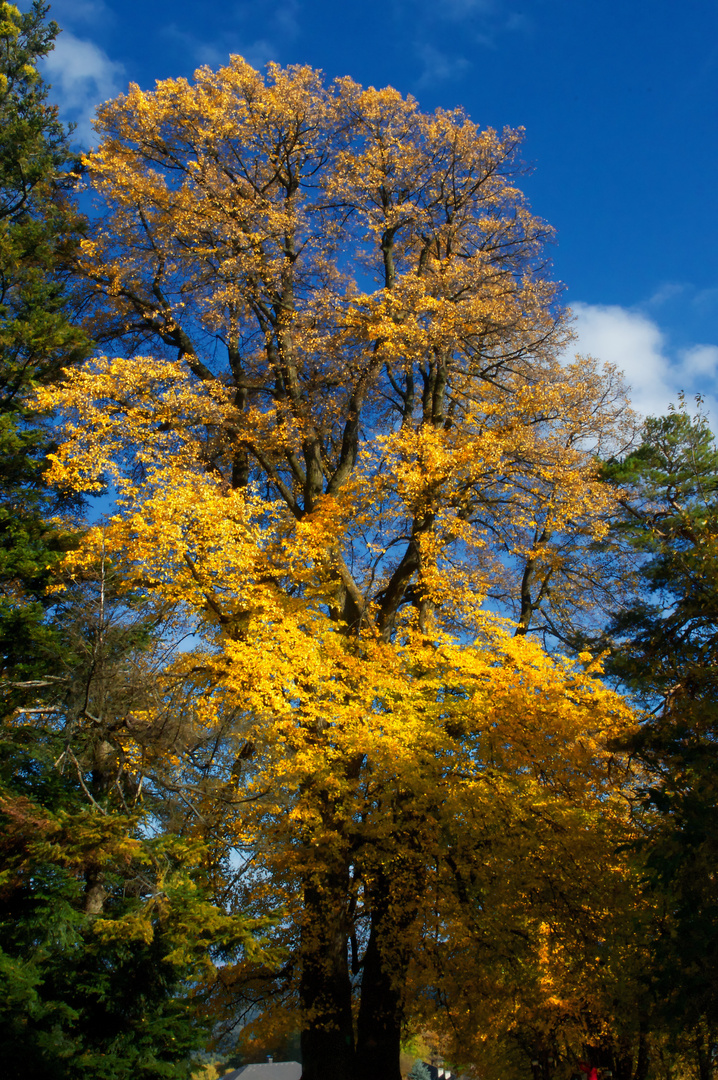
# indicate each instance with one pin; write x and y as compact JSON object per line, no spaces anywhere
{"x":380,"y":1014}
{"x":103,"y":772}
{"x":327,"y":1038}
{"x":703,"y":1057}
{"x":643,"y":1058}
{"x":95,"y":891}
{"x":386,"y":962}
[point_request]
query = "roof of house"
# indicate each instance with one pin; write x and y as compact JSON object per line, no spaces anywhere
{"x":268,"y":1070}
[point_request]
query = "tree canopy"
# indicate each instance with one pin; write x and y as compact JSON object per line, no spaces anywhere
{"x":288,"y":742}
{"x":362,"y":291}
{"x":343,"y":448}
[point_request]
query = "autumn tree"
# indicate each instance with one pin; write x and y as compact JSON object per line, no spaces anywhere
{"x":339,"y":435}
{"x":550,"y":968}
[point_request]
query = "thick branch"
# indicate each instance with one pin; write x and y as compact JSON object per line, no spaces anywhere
{"x":394,"y":592}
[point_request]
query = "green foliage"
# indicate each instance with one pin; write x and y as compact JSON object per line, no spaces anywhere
{"x":38,"y":227}
{"x":104,"y":931}
{"x":419,"y":1071}
{"x":665,"y":640}
{"x":78,"y":991}
{"x":665,"y":650}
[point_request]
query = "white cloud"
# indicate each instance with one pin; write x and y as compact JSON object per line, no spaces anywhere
{"x":82,"y":76}
{"x":286,"y":19}
{"x":706,"y":299}
{"x":439,"y":26}
{"x":493,"y":16}
{"x":655,"y":372}
{"x":462,"y":9}
{"x":438,"y":66}
{"x":519,"y":21}
{"x":700,"y":361}
{"x":257,"y":53}
{"x":666,"y":292}
{"x":73,"y":11}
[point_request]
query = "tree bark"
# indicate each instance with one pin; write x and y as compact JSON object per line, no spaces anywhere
{"x":703,"y":1057}
{"x":386,"y":962}
{"x":643,"y":1058}
{"x":327,"y":1038}
{"x":95,"y":891}
{"x":380,"y":1014}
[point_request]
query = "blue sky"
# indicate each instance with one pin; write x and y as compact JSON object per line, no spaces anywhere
{"x":618,"y":98}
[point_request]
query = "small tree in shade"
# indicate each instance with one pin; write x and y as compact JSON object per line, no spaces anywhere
{"x":420,"y":1071}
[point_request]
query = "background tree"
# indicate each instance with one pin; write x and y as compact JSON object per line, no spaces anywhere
{"x":105,"y":932}
{"x":419,"y":1071}
{"x":100,"y":923}
{"x":664,"y":650}
{"x":38,"y":337}
{"x":353,"y":429}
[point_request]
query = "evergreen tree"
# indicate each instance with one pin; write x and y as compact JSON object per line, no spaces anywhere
{"x":420,"y":1071}
{"x":38,"y":225}
{"x":665,"y":638}
{"x":103,"y":930}
{"x":664,"y":648}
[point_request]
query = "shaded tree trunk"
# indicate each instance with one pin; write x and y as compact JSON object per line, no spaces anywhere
{"x":380,"y":1016}
{"x":385,"y":967}
{"x":95,"y":891}
{"x":327,"y":1038}
{"x":103,"y":772}
{"x":704,"y":1056}
{"x":643,"y":1058}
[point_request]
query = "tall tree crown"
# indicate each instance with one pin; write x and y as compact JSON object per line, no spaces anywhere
{"x":358,"y":294}
{"x":339,"y":421}
{"x":37,"y":335}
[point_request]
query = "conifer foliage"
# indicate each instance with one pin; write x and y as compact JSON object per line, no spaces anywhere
{"x":37,"y":336}
{"x":664,"y":646}
{"x":101,"y":922}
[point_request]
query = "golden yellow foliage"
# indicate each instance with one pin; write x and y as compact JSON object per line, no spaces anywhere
{"x":339,"y":433}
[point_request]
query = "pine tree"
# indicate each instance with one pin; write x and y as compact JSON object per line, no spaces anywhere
{"x":664,"y":648}
{"x":101,"y":924}
{"x":38,"y":338}
{"x":419,"y":1071}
